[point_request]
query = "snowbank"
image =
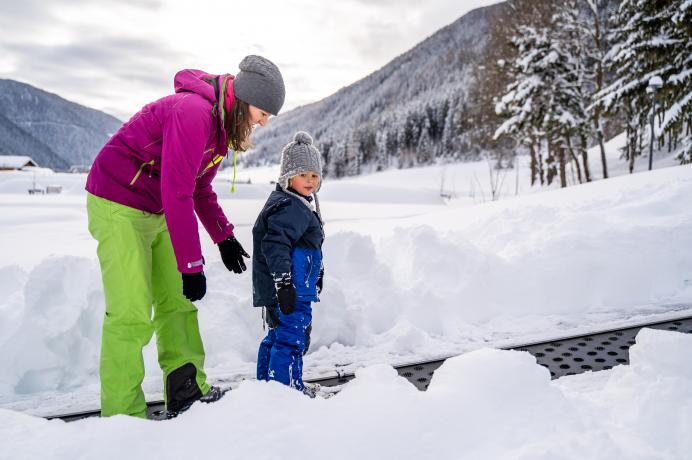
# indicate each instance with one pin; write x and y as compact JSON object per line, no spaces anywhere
{"x":487,"y":404}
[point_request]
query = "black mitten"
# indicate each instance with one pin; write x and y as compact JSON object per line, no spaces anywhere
{"x":194,"y":285}
{"x":320,"y":281}
{"x":286,"y":293}
{"x":232,"y":254}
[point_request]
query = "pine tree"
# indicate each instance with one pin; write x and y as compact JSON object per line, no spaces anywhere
{"x":572,"y":80}
{"x":652,"y":39}
{"x":424,"y":150}
{"x":677,"y":118}
{"x":381,"y":142}
{"x":449,"y":131}
{"x":525,"y":102}
{"x":488,"y":81}
{"x":599,"y":13}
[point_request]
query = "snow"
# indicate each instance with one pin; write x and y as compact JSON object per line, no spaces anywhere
{"x":15,"y":161}
{"x":409,"y":276}
{"x":488,"y":404}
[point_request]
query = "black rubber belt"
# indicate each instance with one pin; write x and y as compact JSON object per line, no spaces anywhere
{"x":565,"y":356}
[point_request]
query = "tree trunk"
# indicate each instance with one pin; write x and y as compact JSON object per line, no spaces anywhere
{"x":585,"y":158}
{"x":541,"y":169}
{"x":599,"y":87}
{"x":632,"y":147}
{"x":563,"y":166}
{"x":534,"y":165}
{"x":599,"y":136}
{"x":640,"y":147}
{"x":573,"y":156}
{"x":550,"y":163}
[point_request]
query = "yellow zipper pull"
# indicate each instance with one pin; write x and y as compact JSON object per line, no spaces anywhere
{"x":234,"y":171}
{"x":141,"y":168}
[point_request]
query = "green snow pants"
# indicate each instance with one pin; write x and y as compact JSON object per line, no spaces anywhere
{"x":139,"y":271}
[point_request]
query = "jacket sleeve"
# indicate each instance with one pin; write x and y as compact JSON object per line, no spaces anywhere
{"x":208,"y":209}
{"x":185,"y":133}
{"x":285,"y":226}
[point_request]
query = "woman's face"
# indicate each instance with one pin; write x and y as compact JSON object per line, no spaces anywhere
{"x":258,"y":116}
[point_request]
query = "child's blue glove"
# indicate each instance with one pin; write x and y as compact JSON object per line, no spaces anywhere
{"x":285,"y":292}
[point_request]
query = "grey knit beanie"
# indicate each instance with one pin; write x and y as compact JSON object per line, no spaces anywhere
{"x":260,"y":83}
{"x":298,"y":157}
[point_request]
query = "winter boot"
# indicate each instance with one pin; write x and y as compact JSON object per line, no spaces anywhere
{"x":311,"y":390}
{"x":214,"y":394}
{"x":182,"y":389}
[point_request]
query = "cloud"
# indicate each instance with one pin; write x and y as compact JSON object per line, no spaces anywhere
{"x":18,"y":16}
{"x":22,"y":16}
{"x":94,"y":67}
{"x":393,"y":27}
{"x":78,"y":56}
{"x":388,"y":3}
{"x":117,"y":55}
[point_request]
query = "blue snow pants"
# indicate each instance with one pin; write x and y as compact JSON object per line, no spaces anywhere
{"x":280,"y":355}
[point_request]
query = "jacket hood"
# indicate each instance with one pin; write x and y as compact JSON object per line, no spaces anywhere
{"x":196,"y":81}
{"x":202,"y":83}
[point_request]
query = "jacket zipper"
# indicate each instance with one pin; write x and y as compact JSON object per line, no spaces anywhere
{"x":216,"y":160}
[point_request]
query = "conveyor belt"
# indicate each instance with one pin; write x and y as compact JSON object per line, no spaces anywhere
{"x":564,"y":356}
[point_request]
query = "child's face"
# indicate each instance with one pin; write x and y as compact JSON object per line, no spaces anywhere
{"x":305,"y":183}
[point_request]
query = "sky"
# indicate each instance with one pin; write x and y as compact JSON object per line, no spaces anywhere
{"x":117,"y":55}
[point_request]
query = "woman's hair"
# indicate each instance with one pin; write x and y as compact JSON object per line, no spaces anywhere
{"x":238,"y":126}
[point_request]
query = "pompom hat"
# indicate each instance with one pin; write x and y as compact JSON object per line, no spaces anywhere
{"x":298,"y":157}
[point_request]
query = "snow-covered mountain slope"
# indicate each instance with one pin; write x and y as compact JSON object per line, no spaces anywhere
{"x":55,"y":132}
{"x":403,"y":113}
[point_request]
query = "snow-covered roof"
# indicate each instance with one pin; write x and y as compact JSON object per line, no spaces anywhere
{"x":15,"y":161}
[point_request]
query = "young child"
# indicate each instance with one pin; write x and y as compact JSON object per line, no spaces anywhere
{"x":287,"y":263}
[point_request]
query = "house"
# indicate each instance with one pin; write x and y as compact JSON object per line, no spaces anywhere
{"x":80,"y":168}
{"x":15,"y":162}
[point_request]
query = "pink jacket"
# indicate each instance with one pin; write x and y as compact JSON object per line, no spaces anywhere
{"x":163,"y":160}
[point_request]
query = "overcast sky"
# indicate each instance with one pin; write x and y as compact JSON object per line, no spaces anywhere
{"x":117,"y":55}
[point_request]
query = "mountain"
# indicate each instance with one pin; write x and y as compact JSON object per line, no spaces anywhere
{"x":16,"y":141}
{"x":408,"y":112}
{"x":55,"y":132}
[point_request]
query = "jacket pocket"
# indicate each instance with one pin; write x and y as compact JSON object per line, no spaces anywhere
{"x":305,"y":269}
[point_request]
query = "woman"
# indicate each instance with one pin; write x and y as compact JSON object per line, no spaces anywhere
{"x":145,"y":187}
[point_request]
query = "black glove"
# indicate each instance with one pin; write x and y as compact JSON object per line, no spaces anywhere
{"x":232,"y":254}
{"x":286,"y":294}
{"x":320,"y":281}
{"x":194,"y":286}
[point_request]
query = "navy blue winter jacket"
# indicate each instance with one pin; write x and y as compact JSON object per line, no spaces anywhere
{"x":287,"y":238}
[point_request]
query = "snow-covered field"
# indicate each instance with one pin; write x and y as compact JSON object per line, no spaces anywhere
{"x":409,"y":276}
